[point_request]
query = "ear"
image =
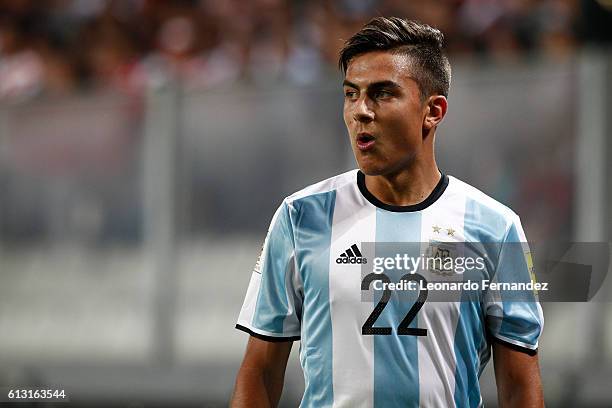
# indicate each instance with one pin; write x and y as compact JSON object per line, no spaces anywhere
{"x":435,"y":111}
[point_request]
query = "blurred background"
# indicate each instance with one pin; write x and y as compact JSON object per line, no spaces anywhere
{"x":144,"y":146}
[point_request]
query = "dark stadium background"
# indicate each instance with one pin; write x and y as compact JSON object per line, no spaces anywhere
{"x":144,"y":146}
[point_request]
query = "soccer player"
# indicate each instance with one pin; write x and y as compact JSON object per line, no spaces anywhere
{"x":307,"y":283}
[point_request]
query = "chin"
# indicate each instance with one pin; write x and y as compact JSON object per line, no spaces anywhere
{"x":370,"y":168}
{"x":370,"y":172}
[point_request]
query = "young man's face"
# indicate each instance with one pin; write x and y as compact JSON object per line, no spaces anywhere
{"x":383,"y":112}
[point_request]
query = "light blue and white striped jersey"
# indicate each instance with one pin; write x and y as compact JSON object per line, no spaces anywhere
{"x":307,"y":285}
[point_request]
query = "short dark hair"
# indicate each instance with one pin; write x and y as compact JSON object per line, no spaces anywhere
{"x":421,"y":43}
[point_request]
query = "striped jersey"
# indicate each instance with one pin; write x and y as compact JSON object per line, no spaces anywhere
{"x":307,"y":285}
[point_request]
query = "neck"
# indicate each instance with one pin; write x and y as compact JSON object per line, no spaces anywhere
{"x":407,"y":186}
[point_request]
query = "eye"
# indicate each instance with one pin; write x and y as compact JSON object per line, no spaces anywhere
{"x":382,"y":94}
{"x":349,"y":93}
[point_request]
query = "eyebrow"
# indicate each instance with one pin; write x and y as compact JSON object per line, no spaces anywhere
{"x":375,"y":85}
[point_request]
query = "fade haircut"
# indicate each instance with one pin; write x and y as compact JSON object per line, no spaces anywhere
{"x":421,"y":43}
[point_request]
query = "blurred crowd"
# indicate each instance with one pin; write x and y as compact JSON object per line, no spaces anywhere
{"x":61,"y":46}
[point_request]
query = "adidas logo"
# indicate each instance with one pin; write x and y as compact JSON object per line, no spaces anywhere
{"x":351,"y":256}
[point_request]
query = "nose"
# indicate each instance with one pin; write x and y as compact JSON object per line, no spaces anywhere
{"x":363,"y":111}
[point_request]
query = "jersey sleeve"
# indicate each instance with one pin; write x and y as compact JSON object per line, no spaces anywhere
{"x":514,"y":317}
{"x":273,"y":304}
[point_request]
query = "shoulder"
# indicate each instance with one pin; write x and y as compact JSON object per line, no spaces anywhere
{"x":313,"y":203}
{"x":476,"y":198}
{"x":324,"y":187}
{"x":482,"y":212}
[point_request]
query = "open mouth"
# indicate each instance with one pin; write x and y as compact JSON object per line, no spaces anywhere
{"x":365,"y":141}
{"x":364,"y":138}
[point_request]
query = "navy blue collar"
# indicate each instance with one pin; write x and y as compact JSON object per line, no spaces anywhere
{"x":435,"y":194}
